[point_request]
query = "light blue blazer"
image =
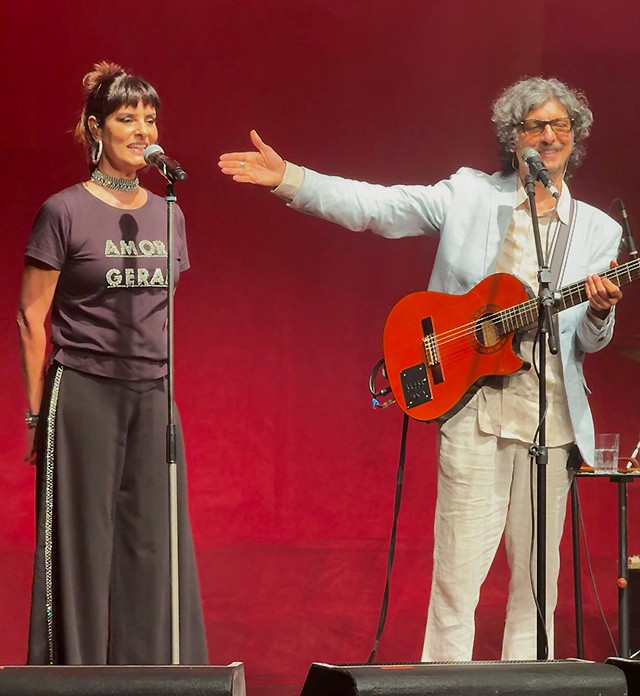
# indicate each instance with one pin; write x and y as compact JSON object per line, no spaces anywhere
{"x":471,"y":212}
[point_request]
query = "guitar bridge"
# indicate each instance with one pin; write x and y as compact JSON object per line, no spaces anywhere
{"x":431,"y":350}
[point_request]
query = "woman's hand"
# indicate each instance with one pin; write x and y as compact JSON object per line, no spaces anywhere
{"x":30,"y":456}
{"x":264,"y":167}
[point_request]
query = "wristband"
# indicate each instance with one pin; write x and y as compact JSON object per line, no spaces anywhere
{"x":31,"y":419}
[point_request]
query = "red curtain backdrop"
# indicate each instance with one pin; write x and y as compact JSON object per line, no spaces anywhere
{"x":280,"y":318}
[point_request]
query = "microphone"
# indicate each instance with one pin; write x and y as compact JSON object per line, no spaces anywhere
{"x":628,"y":237}
{"x":170,"y":169}
{"x":538,"y":170}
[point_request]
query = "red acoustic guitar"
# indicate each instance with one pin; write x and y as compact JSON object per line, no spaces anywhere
{"x":438,"y":348}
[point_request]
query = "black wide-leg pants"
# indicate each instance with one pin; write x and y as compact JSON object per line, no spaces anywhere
{"x":101,"y":586}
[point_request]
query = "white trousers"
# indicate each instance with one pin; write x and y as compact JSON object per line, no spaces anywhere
{"x":485,"y":488}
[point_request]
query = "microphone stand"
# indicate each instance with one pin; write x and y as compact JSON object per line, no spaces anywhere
{"x":547,"y":333}
{"x":172,"y":172}
{"x":171,"y":449}
{"x":171,"y":437}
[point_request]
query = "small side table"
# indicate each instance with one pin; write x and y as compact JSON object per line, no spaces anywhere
{"x":622,"y":478}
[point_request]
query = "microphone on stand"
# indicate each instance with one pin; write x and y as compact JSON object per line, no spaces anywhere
{"x":538,"y":171}
{"x":626,"y":232}
{"x":170,"y":169}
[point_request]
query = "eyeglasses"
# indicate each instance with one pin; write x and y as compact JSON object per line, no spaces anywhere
{"x":533,"y":126}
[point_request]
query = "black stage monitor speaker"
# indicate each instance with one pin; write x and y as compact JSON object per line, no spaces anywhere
{"x":555,"y":677}
{"x":631,"y":669}
{"x":178,"y":680}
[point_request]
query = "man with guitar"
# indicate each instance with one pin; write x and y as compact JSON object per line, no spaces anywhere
{"x":485,"y":228}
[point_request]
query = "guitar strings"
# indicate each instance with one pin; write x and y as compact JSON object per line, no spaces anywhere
{"x":530,"y":307}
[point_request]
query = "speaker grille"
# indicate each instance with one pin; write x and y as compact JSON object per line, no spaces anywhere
{"x":125,"y":681}
{"x":573,"y":678}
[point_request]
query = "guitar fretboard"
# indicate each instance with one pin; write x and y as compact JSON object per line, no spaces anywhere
{"x":525,"y":315}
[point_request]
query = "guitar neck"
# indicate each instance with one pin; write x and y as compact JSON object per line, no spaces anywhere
{"x":525,"y":315}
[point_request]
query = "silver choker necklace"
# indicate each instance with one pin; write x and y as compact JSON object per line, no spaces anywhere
{"x":112,"y":182}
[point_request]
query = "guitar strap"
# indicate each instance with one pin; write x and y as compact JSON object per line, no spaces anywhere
{"x":560,"y":246}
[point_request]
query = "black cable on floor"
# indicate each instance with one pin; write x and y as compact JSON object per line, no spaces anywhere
{"x":392,"y":541}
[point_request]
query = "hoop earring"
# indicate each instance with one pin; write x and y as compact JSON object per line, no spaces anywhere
{"x":514,"y":161}
{"x":97,"y":154}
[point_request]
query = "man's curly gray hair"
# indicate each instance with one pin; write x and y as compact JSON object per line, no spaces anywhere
{"x":517,"y":101}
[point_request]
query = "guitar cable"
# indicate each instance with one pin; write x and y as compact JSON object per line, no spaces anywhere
{"x":392,"y":540}
{"x":376,"y":394}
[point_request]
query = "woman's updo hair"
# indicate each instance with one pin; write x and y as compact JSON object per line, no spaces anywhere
{"x":108,"y":87}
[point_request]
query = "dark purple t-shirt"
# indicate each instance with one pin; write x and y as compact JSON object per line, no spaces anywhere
{"x":110,"y":304}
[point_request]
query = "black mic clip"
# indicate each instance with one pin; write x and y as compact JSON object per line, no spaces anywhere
{"x":627,"y":237}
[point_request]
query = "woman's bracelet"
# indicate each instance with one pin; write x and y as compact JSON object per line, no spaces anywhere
{"x":31,"y":419}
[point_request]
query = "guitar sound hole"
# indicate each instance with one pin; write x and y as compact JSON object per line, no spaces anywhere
{"x":486,"y":332}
